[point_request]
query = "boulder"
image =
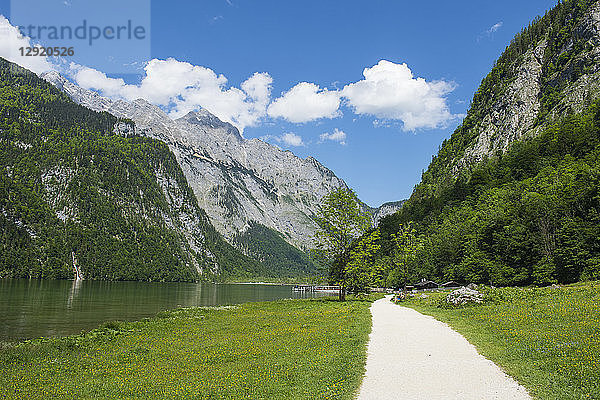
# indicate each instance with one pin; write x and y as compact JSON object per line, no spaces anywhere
{"x":464,"y":295}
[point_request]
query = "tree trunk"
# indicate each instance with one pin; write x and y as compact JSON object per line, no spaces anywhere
{"x":342,"y":294}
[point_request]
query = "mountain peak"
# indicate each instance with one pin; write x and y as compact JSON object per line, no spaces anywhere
{"x":204,"y":118}
{"x":52,"y":75}
{"x":236,"y":181}
{"x":54,"y":78}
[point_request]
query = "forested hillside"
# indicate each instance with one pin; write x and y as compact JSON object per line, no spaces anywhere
{"x":269,"y":247}
{"x":512,"y":198}
{"x":549,"y":70}
{"x":76,"y":181}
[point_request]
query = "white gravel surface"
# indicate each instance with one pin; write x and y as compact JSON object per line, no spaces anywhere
{"x":412,"y":356}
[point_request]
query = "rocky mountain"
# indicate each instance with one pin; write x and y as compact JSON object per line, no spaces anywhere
{"x":551,"y":69}
{"x":512,"y":198}
{"x":385,"y":209}
{"x":239,"y":182}
{"x":72,"y":186}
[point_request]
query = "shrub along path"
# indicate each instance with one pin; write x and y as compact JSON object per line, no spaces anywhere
{"x":413,"y":356}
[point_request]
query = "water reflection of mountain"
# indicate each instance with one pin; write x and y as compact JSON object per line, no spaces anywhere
{"x":34,"y":308}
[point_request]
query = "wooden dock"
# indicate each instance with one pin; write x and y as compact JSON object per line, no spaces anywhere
{"x":317,"y":288}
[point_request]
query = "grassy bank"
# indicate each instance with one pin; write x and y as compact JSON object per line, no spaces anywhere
{"x":289,"y":349}
{"x":547,"y":338}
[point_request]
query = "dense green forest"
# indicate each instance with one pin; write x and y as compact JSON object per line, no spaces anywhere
{"x":69,"y":183}
{"x":529,"y":215}
{"x":269,"y":247}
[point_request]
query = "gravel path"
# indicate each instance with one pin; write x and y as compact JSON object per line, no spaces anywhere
{"x":412,"y":356}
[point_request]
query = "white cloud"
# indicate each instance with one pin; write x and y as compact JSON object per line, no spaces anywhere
{"x":305,"y":102}
{"x":258,"y":90}
{"x":182,"y":87}
{"x":490,"y":32}
{"x":289,"y":139}
{"x":10,"y":42}
{"x":90,"y":78}
{"x":390,"y":91}
{"x":495,"y":27}
{"x":335,"y":136}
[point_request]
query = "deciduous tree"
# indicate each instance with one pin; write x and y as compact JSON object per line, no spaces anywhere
{"x":340,"y":221}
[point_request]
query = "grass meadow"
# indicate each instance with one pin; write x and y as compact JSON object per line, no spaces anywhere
{"x":547,"y":338}
{"x":289,"y":349}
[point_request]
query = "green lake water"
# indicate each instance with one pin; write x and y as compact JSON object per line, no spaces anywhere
{"x":34,"y":308}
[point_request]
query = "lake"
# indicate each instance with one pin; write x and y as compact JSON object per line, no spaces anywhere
{"x":34,"y":308}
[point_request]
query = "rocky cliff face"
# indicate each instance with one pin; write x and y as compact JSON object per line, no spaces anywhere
{"x":550,"y":70}
{"x":236,"y":181}
{"x":576,"y":84}
{"x":386,"y":209}
{"x":513,"y":115}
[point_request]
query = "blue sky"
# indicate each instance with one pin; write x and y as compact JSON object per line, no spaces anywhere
{"x":451,"y":45}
